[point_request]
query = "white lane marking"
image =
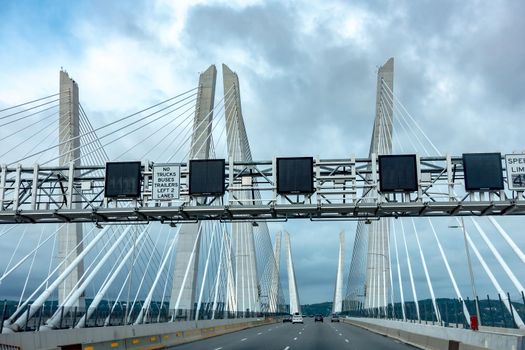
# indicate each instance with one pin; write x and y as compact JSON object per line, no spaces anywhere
{"x":295,"y":338}
{"x":300,"y":332}
{"x":340,"y":334}
{"x":259,"y":333}
{"x":218,"y":348}
{"x":286,"y":348}
{"x":346,"y":340}
{"x":243,"y":339}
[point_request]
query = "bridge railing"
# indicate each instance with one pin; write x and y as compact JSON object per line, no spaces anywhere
{"x":493,"y":312}
{"x":105,"y":315}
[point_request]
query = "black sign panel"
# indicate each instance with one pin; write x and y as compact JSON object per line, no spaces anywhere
{"x":207,"y":177}
{"x":397,"y":173}
{"x":483,"y":171}
{"x":295,"y":175}
{"x":122,"y":180}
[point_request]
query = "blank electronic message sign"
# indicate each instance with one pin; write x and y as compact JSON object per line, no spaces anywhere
{"x":295,"y":175}
{"x":207,"y":177}
{"x":483,"y":171}
{"x":122,"y":180}
{"x":397,"y":173}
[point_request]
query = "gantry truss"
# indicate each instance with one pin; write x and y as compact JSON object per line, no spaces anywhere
{"x":345,"y":189}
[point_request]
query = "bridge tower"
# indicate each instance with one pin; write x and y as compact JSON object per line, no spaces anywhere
{"x":247,"y":290}
{"x":274,"y":296}
{"x":295,"y":305}
{"x":378,"y":260}
{"x":338,"y":292}
{"x":69,"y":235}
{"x":188,"y":245}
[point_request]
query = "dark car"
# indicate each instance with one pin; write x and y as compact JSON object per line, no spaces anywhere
{"x":287,"y":319}
{"x":319,"y":318}
{"x":335,"y":318}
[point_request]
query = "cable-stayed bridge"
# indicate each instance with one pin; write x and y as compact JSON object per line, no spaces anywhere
{"x":155,"y":252}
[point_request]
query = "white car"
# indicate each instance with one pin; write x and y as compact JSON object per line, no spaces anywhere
{"x":297,"y":319}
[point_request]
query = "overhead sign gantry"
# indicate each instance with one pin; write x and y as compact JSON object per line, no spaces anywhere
{"x":281,"y":189}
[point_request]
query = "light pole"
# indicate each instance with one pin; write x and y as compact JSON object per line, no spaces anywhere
{"x":472,"y":283}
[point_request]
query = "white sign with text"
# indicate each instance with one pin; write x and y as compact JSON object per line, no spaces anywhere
{"x":166,"y":182}
{"x":515,"y":171}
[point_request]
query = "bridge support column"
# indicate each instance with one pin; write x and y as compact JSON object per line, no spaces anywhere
{"x":295,"y":305}
{"x":246,"y":282}
{"x":274,"y":292}
{"x":69,"y":235}
{"x":369,"y":277}
{"x":338,"y":293}
{"x":185,"y":277}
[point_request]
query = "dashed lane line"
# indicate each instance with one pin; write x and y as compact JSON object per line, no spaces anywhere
{"x":243,"y":339}
{"x":346,"y":340}
{"x":295,"y":338}
{"x":259,"y":333}
{"x":218,"y":348}
{"x":286,"y":348}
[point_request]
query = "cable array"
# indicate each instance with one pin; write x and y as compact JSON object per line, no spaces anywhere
{"x":396,"y":123}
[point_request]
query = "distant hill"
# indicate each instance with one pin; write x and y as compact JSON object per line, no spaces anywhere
{"x":316,"y":309}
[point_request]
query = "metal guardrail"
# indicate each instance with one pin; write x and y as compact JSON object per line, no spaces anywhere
{"x":107,"y":315}
{"x":493,"y":311}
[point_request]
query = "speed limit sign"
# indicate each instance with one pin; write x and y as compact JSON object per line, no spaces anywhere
{"x":515,"y":171}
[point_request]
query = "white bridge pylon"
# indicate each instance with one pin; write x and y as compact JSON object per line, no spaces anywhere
{"x":295,"y":305}
{"x":187,"y":252}
{"x":338,"y":291}
{"x":70,"y":235}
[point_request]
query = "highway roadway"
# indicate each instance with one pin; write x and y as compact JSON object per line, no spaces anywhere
{"x":287,"y":336}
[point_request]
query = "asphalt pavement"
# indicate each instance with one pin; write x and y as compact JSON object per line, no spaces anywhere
{"x":310,"y":335}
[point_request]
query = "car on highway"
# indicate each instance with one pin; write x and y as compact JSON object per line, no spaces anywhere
{"x":297,"y":319}
{"x":335,"y":318}
{"x":319,"y":318}
{"x":287,"y":319}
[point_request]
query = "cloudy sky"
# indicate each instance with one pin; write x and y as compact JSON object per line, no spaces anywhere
{"x":307,"y":72}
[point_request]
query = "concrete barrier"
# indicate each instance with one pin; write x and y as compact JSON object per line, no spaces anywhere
{"x":133,"y":337}
{"x":440,"y":338}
